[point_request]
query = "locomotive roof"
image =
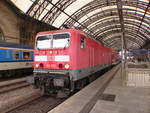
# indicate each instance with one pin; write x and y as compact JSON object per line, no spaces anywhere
{"x":14,"y":45}
{"x":58,"y":31}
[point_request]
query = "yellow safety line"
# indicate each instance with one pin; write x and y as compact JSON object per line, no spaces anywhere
{"x":16,"y":49}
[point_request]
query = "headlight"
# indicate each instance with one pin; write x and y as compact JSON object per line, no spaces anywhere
{"x":67,"y":66}
{"x":36,"y":65}
{"x":51,"y":52}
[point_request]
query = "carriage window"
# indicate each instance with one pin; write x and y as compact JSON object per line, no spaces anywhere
{"x":16,"y":55}
{"x":82,"y":42}
{"x":26,"y":55}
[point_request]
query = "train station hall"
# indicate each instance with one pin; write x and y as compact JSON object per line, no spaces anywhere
{"x":74,"y":56}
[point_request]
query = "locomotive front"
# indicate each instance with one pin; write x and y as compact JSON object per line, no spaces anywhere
{"x":52,"y":62}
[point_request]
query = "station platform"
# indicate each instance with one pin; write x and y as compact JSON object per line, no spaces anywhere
{"x":107,"y":95}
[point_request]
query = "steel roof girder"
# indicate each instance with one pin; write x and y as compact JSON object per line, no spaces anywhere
{"x":126,"y":22}
{"x":118,"y":44}
{"x":116,"y":31}
{"x":129,"y":37}
{"x":117,"y":26}
{"x":96,"y":6}
{"x":54,"y":12}
{"x":132,"y":17}
{"x":37,"y":8}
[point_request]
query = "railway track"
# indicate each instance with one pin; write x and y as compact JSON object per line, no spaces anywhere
{"x":42,"y":104}
{"x":16,"y":92}
{"x":26,"y":99}
{"x":19,"y":100}
{"x":17,"y":96}
{"x":11,"y":85}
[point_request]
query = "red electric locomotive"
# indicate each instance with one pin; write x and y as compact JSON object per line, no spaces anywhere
{"x":65,"y":59}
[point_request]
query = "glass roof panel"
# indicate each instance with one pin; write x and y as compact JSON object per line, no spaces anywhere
{"x":43,"y":14}
{"x":54,"y":1}
{"x":70,"y":10}
{"x":45,"y":11}
{"x":96,"y":11}
{"x":61,"y":19}
{"x":144,"y":0}
{"x":24,"y":5}
{"x":76,"y":5}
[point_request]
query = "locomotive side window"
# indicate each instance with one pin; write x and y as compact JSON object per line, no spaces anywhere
{"x":16,"y":55}
{"x":82,"y":42}
{"x":26,"y":55}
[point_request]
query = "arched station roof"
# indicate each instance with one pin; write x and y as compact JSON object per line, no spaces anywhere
{"x":101,"y":19}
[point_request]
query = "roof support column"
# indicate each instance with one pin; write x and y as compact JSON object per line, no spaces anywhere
{"x":120,"y":13}
{"x":123,"y":41}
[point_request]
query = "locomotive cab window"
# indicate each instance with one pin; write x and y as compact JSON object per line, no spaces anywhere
{"x":82,"y":42}
{"x":16,"y":55}
{"x":53,"y":41}
{"x":26,"y":55}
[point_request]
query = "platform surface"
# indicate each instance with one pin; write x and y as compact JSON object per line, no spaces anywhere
{"x":127,"y":99}
{"x":107,"y":95}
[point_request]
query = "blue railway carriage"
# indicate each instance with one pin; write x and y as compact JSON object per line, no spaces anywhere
{"x":15,"y":59}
